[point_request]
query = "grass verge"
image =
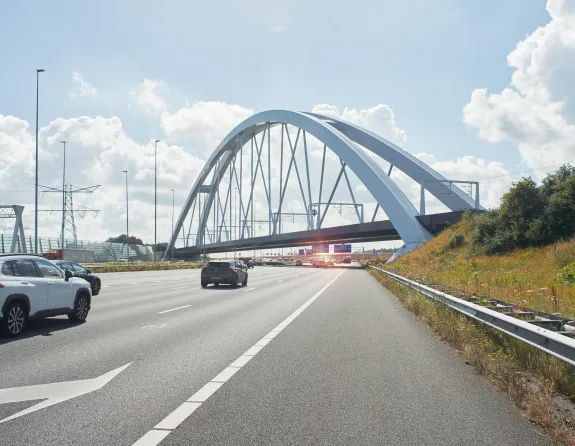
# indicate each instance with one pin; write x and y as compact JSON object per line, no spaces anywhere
{"x":144,"y":266}
{"x":541,"y":386}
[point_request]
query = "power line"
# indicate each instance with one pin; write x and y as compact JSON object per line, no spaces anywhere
{"x":524,"y":171}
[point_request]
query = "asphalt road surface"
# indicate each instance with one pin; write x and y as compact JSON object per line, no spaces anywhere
{"x":299,"y":356}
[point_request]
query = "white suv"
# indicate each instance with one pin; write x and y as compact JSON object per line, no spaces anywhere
{"x":31,"y":287}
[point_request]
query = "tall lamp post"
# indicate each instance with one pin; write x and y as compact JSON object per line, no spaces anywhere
{"x":127,"y":220}
{"x":155,"y":196}
{"x":36,"y":181}
{"x":173,"y":204}
{"x":63,"y":194}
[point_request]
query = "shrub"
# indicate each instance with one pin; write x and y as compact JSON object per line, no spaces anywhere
{"x":456,"y":240}
{"x":567,"y":274}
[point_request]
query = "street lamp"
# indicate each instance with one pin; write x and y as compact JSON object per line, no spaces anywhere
{"x":127,"y":220}
{"x":36,"y":181}
{"x":63,"y":193}
{"x":173,"y":201}
{"x":155,"y":196}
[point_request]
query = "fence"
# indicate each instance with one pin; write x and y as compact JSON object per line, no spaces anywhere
{"x":103,"y":251}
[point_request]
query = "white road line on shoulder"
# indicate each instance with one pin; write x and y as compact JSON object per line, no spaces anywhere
{"x":174,"y":309}
{"x":180,"y":414}
{"x":181,"y":287}
{"x":249,"y":289}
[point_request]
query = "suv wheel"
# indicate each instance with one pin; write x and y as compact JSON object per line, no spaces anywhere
{"x":204,"y":284}
{"x":235,"y":282}
{"x":96,"y":288}
{"x":245,"y":282}
{"x":81,"y":309}
{"x":15,"y":319}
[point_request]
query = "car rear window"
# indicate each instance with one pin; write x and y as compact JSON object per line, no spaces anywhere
{"x":218,"y":264}
{"x":8,"y":268}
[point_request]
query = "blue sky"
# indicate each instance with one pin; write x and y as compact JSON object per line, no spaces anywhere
{"x":423,"y":59}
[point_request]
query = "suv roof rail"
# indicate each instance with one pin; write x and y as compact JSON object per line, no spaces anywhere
{"x":21,"y":254}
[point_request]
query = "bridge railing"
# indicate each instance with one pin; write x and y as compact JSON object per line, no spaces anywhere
{"x":546,"y":340}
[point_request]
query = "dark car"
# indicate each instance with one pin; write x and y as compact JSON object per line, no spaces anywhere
{"x":80,"y":271}
{"x":232,"y":273}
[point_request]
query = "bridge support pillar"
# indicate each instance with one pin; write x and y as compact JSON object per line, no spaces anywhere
{"x":408,"y":247}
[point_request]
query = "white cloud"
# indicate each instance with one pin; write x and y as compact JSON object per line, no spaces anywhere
{"x":536,"y":111}
{"x":379,"y":119}
{"x":81,"y":87}
{"x":147,"y":97}
{"x":205,"y":122}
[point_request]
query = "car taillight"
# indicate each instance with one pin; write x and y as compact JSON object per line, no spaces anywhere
{"x":229,"y":270}
{"x":204,"y":269}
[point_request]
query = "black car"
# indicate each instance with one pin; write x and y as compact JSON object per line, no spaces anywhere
{"x":233,"y":273}
{"x":83,"y":273}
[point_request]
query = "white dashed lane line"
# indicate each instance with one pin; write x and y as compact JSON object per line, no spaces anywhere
{"x":181,"y":287}
{"x":174,"y":309}
{"x":105,"y":286}
{"x":249,"y":289}
{"x":181,"y":413}
{"x":280,"y":281}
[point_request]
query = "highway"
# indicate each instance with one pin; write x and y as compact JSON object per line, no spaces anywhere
{"x":299,"y":356}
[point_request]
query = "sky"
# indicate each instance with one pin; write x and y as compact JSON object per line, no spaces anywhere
{"x":480,"y":90}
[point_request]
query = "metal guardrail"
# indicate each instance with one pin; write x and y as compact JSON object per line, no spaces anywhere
{"x":555,"y":344}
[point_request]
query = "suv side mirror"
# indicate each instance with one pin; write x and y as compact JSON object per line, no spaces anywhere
{"x":89,"y":271}
{"x":68,"y":275}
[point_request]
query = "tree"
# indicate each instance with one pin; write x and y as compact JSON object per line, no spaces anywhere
{"x":161,"y":247}
{"x":122,"y":239}
{"x":551,"y":181}
{"x":520,"y":207}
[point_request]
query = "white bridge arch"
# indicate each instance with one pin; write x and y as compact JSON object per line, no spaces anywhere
{"x":343,"y":139}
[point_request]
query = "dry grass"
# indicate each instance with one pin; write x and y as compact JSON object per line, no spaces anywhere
{"x":117,"y":267}
{"x":541,"y":386}
{"x":526,"y":277}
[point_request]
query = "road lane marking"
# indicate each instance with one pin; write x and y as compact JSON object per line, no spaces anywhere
{"x":157,"y":281}
{"x":181,"y":287}
{"x":174,"y":309}
{"x":134,"y":283}
{"x":105,"y":286}
{"x":177,"y":416}
{"x":280,"y":281}
{"x":155,"y":326}
{"x":156,"y":435}
{"x":249,"y":289}
{"x":54,"y":393}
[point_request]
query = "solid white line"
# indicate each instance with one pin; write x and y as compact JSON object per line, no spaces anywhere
{"x":225,"y":374}
{"x":205,"y":392}
{"x":174,"y":309}
{"x":175,"y":418}
{"x":249,"y":289}
{"x":152,"y":438}
{"x":181,"y":287}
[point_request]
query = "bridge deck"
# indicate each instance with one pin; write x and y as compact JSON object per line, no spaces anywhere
{"x":359,"y":232}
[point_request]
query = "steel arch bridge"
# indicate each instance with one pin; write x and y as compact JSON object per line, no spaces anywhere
{"x":229,"y":224}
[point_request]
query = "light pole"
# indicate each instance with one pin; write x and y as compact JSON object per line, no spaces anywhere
{"x":127,"y":220}
{"x":36,"y":181}
{"x":155,"y":196}
{"x":173,"y":201}
{"x":63,"y":193}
